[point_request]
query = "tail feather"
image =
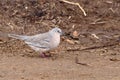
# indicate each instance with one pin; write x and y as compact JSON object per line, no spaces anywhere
{"x":17,"y":36}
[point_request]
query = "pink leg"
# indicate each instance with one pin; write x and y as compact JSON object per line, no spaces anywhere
{"x":43,"y":55}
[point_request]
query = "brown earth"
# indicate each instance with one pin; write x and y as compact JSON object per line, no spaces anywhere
{"x":94,"y":54}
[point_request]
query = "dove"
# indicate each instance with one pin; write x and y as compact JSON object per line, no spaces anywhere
{"x":41,"y":42}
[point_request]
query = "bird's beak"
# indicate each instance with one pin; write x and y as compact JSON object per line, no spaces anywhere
{"x":63,"y":33}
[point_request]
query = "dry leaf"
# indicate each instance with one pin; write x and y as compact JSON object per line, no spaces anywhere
{"x":75,"y":34}
{"x":62,"y":38}
{"x":70,"y":41}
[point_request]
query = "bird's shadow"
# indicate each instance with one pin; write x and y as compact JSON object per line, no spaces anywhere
{"x":36,"y":55}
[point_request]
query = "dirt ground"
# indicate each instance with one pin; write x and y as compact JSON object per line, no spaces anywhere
{"x":94,"y":54}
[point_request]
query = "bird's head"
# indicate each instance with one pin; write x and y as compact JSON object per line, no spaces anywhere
{"x":56,"y":30}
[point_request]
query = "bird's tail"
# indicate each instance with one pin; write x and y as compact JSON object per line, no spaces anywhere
{"x":17,"y":36}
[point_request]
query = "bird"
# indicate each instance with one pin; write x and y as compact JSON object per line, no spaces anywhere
{"x":42,"y":42}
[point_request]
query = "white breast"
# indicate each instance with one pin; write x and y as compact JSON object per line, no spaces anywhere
{"x":55,"y":41}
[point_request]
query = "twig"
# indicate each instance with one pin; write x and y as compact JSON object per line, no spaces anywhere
{"x":95,"y":47}
{"x":2,"y":42}
{"x":98,"y":21}
{"x":112,"y":10}
{"x":77,"y":4}
{"x":95,"y":36}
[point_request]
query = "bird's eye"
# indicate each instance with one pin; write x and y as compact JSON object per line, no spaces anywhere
{"x":58,"y":31}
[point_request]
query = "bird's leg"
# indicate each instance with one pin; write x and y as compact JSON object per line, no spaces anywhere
{"x":43,"y":55}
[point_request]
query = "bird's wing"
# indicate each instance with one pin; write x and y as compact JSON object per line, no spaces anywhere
{"x":43,"y":45}
{"x":40,"y":40}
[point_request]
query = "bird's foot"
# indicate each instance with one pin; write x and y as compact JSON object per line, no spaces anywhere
{"x":43,"y":55}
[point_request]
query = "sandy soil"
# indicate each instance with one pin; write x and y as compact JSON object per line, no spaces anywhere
{"x":87,"y":58}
